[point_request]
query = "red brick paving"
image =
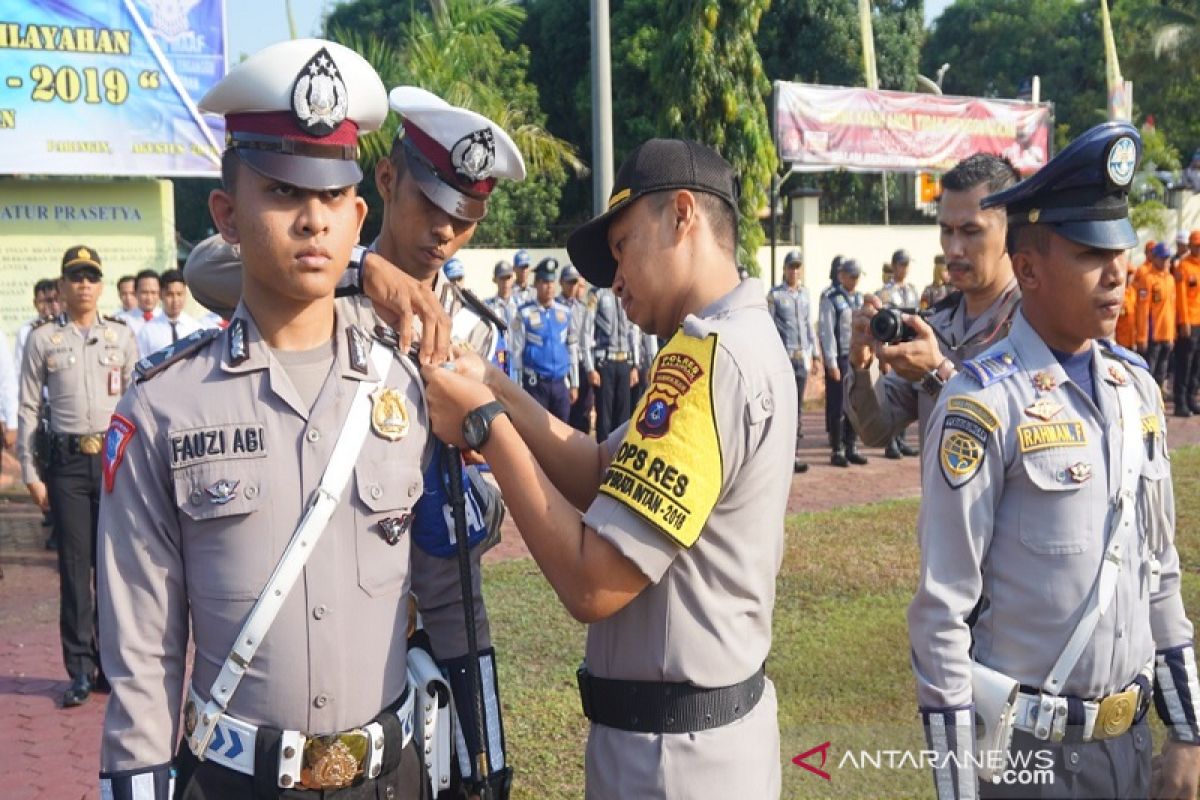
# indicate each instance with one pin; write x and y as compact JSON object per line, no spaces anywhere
{"x":48,"y":753}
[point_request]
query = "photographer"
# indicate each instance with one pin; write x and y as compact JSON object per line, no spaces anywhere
{"x":929,"y":348}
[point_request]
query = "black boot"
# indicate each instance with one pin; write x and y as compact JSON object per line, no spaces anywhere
{"x":838,"y":459}
{"x":78,"y":694}
{"x":852,"y":454}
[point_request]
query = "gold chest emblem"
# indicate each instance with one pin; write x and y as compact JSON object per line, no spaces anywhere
{"x":389,"y":414}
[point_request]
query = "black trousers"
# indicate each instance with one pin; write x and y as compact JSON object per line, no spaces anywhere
{"x":403,"y":777}
{"x":552,"y":394}
{"x":841,"y":432}
{"x":581,"y":409}
{"x":75,"y":507}
{"x":1158,"y":356}
{"x":1187,"y":359}
{"x":1114,"y":768}
{"x":613,"y":398}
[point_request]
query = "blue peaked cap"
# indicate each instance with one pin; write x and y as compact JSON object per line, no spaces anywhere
{"x":1082,"y":193}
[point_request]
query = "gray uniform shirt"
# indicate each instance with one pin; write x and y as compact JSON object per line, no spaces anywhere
{"x":1025,"y":529}
{"x":177,"y":546}
{"x":835,"y":322}
{"x":607,"y":331}
{"x":880,"y":408}
{"x":900,"y":295}
{"x":791,"y":311}
{"x":83,"y":377}
{"x":706,"y":615}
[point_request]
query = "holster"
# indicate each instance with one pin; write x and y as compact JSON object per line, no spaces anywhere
{"x":995,"y":696}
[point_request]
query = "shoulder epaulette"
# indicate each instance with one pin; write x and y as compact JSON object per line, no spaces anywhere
{"x":991,"y":367}
{"x":117,"y":320}
{"x":156,"y":362}
{"x":1115,"y":350}
{"x":39,"y":323}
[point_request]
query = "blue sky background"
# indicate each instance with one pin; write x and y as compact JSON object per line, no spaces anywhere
{"x":255,"y":24}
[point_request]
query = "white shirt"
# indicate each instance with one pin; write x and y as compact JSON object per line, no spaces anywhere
{"x":156,"y":334}
{"x":8,"y":385}
{"x":136,"y":318}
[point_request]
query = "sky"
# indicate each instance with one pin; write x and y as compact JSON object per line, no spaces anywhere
{"x":254,"y":24}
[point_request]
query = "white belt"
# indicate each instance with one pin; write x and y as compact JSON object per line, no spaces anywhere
{"x":232,"y":743}
{"x":1045,"y":715}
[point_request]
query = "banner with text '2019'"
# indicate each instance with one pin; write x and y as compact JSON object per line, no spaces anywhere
{"x":820,"y":128}
{"x":109,"y":87}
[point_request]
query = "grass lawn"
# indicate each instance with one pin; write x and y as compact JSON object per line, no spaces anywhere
{"x":839,"y":660}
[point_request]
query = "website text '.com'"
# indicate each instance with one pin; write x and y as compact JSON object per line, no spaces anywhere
{"x":1034,"y":768}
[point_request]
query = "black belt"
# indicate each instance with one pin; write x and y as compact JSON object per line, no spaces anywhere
{"x":656,"y":707}
{"x":90,"y":444}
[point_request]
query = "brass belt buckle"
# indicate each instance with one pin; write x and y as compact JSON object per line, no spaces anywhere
{"x":91,"y":443}
{"x":333,"y":762}
{"x":1115,"y":714}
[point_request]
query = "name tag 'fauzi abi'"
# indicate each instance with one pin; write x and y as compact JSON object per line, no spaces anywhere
{"x":198,"y":445}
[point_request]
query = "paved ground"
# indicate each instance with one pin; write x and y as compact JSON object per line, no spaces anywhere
{"x":47,"y":753}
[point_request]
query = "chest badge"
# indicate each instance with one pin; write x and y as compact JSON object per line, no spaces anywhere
{"x":392,"y":528}
{"x":1043,"y":381}
{"x":1044,"y":409}
{"x":1117,"y":374}
{"x":222,"y":491}
{"x":110,"y":335}
{"x":56,"y":339}
{"x":389,"y":414}
{"x":1080,"y":472}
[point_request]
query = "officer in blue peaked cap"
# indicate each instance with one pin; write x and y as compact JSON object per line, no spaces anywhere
{"x":1047,"y":467}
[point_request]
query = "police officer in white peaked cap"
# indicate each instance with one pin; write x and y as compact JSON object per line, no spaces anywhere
{"x":1048,"y":613}
{"x":418,"y":239}
{"x":236,"y":455}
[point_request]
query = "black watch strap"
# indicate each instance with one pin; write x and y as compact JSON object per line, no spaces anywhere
{"x":477,"y":425}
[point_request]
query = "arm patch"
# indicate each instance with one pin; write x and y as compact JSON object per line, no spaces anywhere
{"x":669,"y":468}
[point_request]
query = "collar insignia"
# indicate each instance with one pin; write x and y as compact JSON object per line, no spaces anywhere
{"x":357,"y":342}
{"x":237,"y":342}
{"x":222,"y":491}
{"x":1044,"y":409}
{"x":1116,"y":374}
{"x":389,"y":414}
{"x":474,"y":155}
{"x":319,"y":99}
{"x":1043,"y":381}
{"x":392,"y":528}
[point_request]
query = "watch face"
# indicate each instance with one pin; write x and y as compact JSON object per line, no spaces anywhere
{"x":474,"y":429}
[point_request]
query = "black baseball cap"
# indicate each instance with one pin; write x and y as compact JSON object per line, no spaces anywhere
{"x":657,"y":165}
{"x":79,"y":258}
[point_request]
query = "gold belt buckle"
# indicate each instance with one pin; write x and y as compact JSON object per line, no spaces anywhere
{"x":334,"y":762}
{"x":1115,"y":714}
{"x":91,"y":443}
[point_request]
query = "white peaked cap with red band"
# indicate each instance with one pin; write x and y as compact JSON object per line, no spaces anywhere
{"x":294,"y":111}
{"x":455,"y":154}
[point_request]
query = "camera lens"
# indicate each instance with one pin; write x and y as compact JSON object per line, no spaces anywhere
{"x":886,"y":326}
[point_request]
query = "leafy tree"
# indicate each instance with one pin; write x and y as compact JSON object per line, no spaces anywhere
{"x":994,"y":45}
{"x":459,"y":54}
{"x":712,"y":88}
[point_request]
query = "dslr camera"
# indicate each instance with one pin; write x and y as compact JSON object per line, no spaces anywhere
{"x":887,"y":326}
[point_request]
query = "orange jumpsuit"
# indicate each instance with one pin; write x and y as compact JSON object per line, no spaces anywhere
{"x":1155,"y":307}
{"x":1126,"y":334}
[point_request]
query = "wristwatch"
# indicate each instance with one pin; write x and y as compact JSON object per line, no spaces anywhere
{"x":351,"y":282}
{"x":477,"y":425}
{"x":933,"y":381}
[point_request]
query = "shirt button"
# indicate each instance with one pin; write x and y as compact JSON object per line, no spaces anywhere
{"x":196,"y":497}
{"x":413,"y":489}
{"x":251,"y":492}
{"x":320,"y":611}
{"x":313,"y":435}
{"x":1074,"y":757}
{"x":376,"y":491}
{"x":321,"y":700}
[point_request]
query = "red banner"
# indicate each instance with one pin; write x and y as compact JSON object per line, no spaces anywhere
{"x":823,"y":128}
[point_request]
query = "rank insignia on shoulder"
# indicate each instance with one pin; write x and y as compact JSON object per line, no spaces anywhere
{"x":117,"y":320}
{"x":963,"y":446}
{"x":988,"y":369}
{"x":1125,"y":354}
{"x":389,"y":414}
{"x":155,"y":363}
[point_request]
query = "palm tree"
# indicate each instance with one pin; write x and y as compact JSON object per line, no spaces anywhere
{"x":445,"y":53}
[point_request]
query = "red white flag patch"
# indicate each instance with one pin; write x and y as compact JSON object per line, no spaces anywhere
{"x":120,"y":432}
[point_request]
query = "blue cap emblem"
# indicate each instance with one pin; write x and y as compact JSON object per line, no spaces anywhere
{"x":1122,"y":159}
